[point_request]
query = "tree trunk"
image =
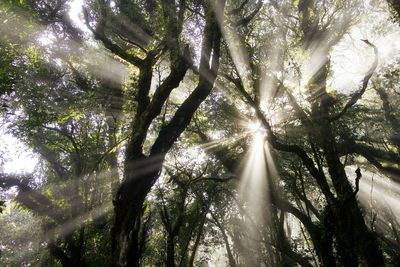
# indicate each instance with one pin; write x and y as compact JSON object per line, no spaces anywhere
{"x":232,"y":262}
{"x":65,"y":260}
{"x":198,"y":239}
{"x":128,"y":204}
{"x":170,"y":251}
{"x":323,"y":239}
{"x":354,"y":240}
{"x":136,"y":185}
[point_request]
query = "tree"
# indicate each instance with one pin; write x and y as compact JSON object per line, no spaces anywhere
{"x":134,"y":188}
{"x":119,"y":109}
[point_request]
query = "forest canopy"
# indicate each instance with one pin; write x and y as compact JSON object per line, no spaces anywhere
{"x":199,"y":133}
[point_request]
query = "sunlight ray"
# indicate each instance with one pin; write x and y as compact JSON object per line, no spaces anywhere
{"x":252,"y":190}
{"x":237,"y":51}
{"x":380,"y":198}
{"x":96,"y":59}
{"x":77,"y":222}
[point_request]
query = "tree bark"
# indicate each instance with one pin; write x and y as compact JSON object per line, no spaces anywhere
{"x":135,"y":187}
{"x":198,"y":240}
{"x":354,"y":240}
{"x":232,"y":262}
{"x":128,"y":204}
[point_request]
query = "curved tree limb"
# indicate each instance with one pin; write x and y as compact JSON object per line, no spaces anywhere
{"x":373,"y":156}
{"x":210,"y":53}
{"x":153,"y":109}
{"x":357,"y":95}
{"x":32,"y":199}
{"x":52,"y":159}
{"x":114,"y":48}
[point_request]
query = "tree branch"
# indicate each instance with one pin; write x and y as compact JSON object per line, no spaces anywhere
{"x":297,"y":150}
{"x":208,"y":74}
{"x":357,"y":95}
{"x":114,"y":48}
{"x":31,"y":199}
{"x":372,"y":155}
{"x":52,"y":159}
{"x":244,"y":21}
{"x":153,"y":109}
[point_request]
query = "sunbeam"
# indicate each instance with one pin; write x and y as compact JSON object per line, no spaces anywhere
{"x":88,"y":53}
{"x":379,"y":197}
{"x":237,"y":51}
{"x":51,"y":235}
{"x":77,"y":222}
{"x":378,"y":193}
{"x":252,"y":188}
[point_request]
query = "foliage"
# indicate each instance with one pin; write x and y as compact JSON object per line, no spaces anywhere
{"x":148,"y":116}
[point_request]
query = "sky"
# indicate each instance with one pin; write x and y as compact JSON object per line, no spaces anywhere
{"x":15,"y":156}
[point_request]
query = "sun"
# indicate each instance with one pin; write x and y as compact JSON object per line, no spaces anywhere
{"x":256,"y":129}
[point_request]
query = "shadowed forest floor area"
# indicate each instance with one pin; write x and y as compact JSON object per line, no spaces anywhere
{"x":236,"y":133}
